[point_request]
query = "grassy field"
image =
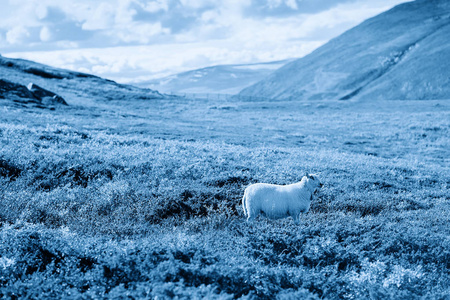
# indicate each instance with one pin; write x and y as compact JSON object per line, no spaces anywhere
{"x":141,"y":199}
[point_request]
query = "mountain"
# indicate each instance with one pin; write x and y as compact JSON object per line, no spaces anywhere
{"x":403,"y":53}
{"x":31,"y":84}
{"x":221,"y":79}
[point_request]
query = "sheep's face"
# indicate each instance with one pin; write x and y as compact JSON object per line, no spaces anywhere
{"x":313,"y":181}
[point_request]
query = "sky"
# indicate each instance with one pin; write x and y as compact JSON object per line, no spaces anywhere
{"x":136,"y":40}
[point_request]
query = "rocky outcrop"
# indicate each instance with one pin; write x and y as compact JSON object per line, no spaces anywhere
{"x":47,"y":97}
{"x":33,"y":94}
{"x":16,"y":92}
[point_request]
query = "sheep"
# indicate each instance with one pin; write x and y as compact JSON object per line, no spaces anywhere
{"x":280,"y":201}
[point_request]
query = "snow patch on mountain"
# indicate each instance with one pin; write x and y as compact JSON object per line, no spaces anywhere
{"x":221,"y":79}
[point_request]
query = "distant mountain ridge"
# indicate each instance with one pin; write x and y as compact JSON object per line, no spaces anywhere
{"x":220,"y":79}
{"x":403,"y":53}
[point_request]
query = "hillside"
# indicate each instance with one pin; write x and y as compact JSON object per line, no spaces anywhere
{"x":75,"y":87}
{"x":403,"y":53}
{"x":221,"y":79}
{"x":142,"y":199}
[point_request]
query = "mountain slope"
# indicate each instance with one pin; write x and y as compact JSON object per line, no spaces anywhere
{"x":222,"y":79}
{"x":72,"y":86}
{"x":403,"y":53}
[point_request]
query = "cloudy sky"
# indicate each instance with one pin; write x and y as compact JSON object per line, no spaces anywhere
{"x":134,"y":40}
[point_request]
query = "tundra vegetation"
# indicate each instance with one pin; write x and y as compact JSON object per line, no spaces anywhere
{"x":142,"y":199}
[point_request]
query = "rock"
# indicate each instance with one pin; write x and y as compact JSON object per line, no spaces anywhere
{"x":33,"y":94}
{"x":46,"y":96}
{"x":17,"y":92}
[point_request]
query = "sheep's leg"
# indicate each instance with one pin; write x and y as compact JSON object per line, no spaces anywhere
{"x":297,"y":218}
{"x":251,"y":213}
{"x":244,"y":203}
{"x":250,"y":217}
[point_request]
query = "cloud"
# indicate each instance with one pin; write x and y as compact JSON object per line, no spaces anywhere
{"x":283,"y":8}
{"x":141,"y":22}
{"x":17,"y":35}
{"x":120,"y":38}
{"x":292,"y":4}
{"x":102,"y":17}
{"x":51,"y":14}
{"x":45,"y":34}
{"x":141,"y":32}
{"x":198,"y":4}
{"x":118,"y":21}
{"x":156,"y":6}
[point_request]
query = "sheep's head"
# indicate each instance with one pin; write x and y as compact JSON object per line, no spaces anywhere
{"x":313,"y":181}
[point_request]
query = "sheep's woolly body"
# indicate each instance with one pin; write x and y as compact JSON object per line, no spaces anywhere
{"x":279,"y":201}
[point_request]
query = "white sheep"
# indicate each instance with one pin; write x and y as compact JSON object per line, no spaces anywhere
{"x":280,"y":201}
